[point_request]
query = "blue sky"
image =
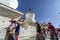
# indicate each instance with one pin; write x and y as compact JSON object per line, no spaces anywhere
{"x":45,"y":10}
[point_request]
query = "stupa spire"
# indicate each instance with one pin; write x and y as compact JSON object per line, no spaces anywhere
{"x":30,"y":10}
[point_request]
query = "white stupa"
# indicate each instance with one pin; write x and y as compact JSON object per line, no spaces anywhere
{"x":10,"y":3}
{"x":30,"y":16}
{"x":8,"y":11}
{"x":29,"y":24}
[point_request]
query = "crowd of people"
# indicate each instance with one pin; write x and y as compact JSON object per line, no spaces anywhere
{"x":13,"y":30}
{"x":51,"y":30}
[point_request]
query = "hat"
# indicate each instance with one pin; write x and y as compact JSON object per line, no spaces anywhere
{"x":13,"y":20}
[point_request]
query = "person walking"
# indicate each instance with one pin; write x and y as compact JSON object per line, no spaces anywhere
{"x":17,"y":31}
{"x":51,"y":28}
{"x":39,"y":34}
{"x":11,"y":30}
{"x":19,"y":24}
{"x":44,"y":33}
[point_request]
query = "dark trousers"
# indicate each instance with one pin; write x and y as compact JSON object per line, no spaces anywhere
{"x":10,"y":37}
{"x":39,"y":36}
